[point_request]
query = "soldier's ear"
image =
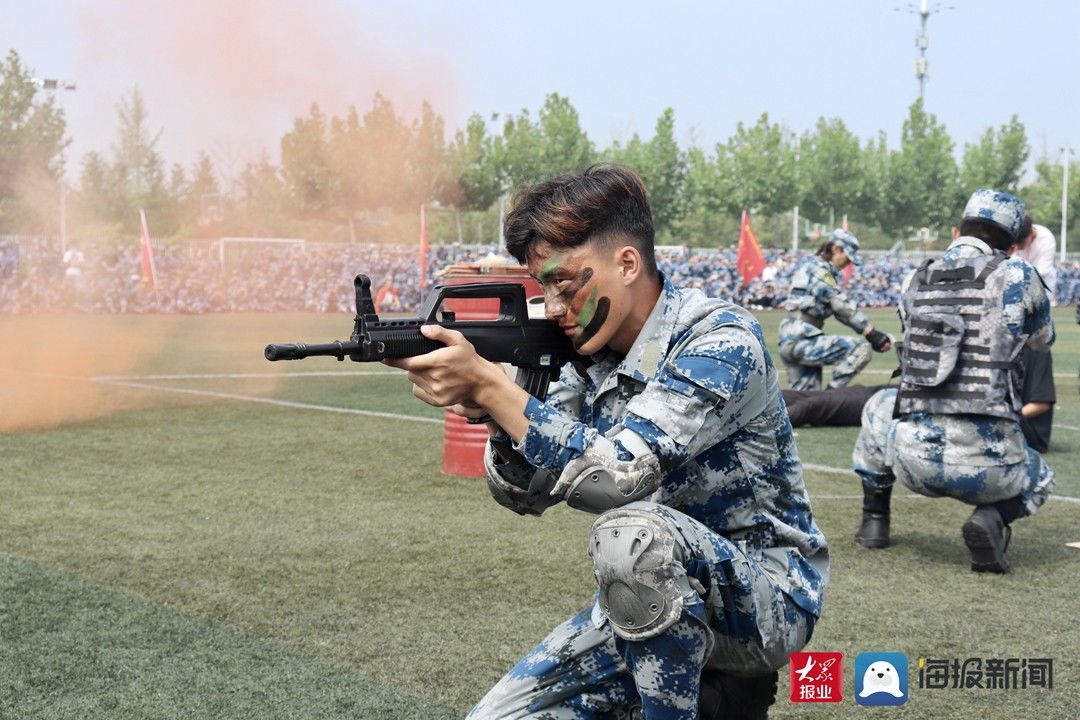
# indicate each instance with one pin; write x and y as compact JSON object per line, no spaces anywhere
{"x":629,"y":261}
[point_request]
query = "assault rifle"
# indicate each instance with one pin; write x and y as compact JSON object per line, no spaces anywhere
{"x":537,"y":347}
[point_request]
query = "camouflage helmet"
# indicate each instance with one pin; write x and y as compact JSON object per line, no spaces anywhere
{"x":1004,"y":210}
{"x":848,"y":242}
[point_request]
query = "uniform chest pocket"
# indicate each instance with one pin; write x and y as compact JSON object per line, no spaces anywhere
{"x":676,"y":405}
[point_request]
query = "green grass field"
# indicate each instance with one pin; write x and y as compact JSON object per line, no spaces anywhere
{"x":172,"y":548}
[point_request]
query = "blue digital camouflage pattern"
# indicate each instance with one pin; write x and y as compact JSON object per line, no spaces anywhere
{"x":583,"y":670}
{"x":1001,"y":208}
{"x":882,"y":455}
{"x":699,"y":390}
{"x":973,"y":458}
{"x":804,"y":348}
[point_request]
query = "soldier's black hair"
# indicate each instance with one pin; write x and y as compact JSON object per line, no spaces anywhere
{"x":605,"y":203}
{"x":989,"y":232}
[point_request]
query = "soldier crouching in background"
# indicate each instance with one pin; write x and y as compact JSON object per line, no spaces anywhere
{"x":815,"y":295}
{"x":953,"y":428}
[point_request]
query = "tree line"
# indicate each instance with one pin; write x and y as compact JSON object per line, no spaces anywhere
{"x":364,"y":174}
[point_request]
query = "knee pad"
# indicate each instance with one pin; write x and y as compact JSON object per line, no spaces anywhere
{"x":637,"y":562}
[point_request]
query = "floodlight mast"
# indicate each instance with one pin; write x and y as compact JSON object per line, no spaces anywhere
{"x":922,"y":67}
{"x":922,"y":40}
{"x":52,"y":85}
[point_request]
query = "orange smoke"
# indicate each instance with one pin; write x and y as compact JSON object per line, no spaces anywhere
{"x":229,"y":77}
{"x":50,"y":361}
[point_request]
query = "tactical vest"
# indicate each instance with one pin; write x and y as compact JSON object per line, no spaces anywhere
{"x":959,"y":356}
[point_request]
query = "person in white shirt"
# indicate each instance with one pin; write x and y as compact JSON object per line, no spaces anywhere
{"x":1036,"y":245}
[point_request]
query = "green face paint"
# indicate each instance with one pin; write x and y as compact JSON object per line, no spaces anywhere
{"x":550,"y":266}
{"x":588,"y":309}
{"x":599,"y":318}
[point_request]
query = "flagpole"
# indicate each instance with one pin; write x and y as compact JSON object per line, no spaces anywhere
{"x":795,"y":230}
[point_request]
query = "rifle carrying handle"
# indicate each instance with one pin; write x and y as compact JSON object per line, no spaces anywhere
{"x":511,"y":297}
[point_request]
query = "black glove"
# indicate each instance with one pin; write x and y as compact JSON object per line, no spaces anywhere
{"x":878,"y":340}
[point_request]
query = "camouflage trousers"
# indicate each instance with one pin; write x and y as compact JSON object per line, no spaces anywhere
{"x":743,"y":624}
{"x":880,"y":461}
{"x":805,"y":350}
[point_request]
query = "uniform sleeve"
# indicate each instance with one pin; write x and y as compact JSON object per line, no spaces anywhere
{"x":827,"y":292}
{"x":701,"y":395}
{"x":1027,"y":306}
{"x":516,"y":483}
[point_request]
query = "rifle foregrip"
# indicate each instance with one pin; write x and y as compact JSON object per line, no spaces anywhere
{"x":406,"y":343}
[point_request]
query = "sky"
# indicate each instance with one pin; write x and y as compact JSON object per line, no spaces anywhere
{"x":230,"y":76}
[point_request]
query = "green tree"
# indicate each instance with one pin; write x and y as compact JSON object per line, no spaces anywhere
{"x":758,"y":166}
{"x":135,"y":179}
{"x":663,"y":167}
{"x":529,"y":152}
{"x":832,"y":177}
{"x":264,"y":199}
{"x":564,"y":145}
{"x":473,"y":162}
{"x":707,"y":218}
{"x":202,"y":192}
{"x":348,"y":165}
{"x":922,"y":182}
{"x":996,"y":161}
{"x":306,"y":164}
{"x":1043,"y":196}
{"x":135,"y":151}
{"x":32,"y":144}
{"x":429,"y":174}
{"x":385,"y":141}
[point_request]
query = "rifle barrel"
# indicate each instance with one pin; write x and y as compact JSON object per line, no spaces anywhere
{"x":299,"y":351}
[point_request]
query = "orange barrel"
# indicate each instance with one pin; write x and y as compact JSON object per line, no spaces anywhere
{"x":463,"y":444}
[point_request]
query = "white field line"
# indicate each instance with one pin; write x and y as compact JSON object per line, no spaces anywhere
{"x":848,"y":471}
{"x":414,"y":418}
{"x":1063,"y":376}
{"x":270,"y":401}
{"x":221,"y":376}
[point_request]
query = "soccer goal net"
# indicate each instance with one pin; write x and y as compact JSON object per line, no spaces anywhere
{"x":234,"y":250}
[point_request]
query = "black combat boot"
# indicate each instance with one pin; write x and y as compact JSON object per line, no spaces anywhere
{"x":874,"y":531}
{"x":731,"y":697}
{"x":987,"y":537}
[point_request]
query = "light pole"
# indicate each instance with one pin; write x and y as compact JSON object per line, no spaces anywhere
{"x":1067,"y":152}
{"x":795,"y":210}
{"x":922,"y":40}
{"x":52,"y":85}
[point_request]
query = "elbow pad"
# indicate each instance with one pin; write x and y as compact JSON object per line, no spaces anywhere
{"x":595,"y":483}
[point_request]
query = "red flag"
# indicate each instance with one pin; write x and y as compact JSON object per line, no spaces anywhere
{"x":146,"y":255}
{"x":750,"y":261}
{"x":423,"y":249}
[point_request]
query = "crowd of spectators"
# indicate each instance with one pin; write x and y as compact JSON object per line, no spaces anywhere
{"x":197,"y":278}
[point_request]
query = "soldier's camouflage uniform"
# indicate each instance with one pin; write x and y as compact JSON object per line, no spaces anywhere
{"x":978,"y":459}
{"x":804,"y":348}
{"x":698,"y":387}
